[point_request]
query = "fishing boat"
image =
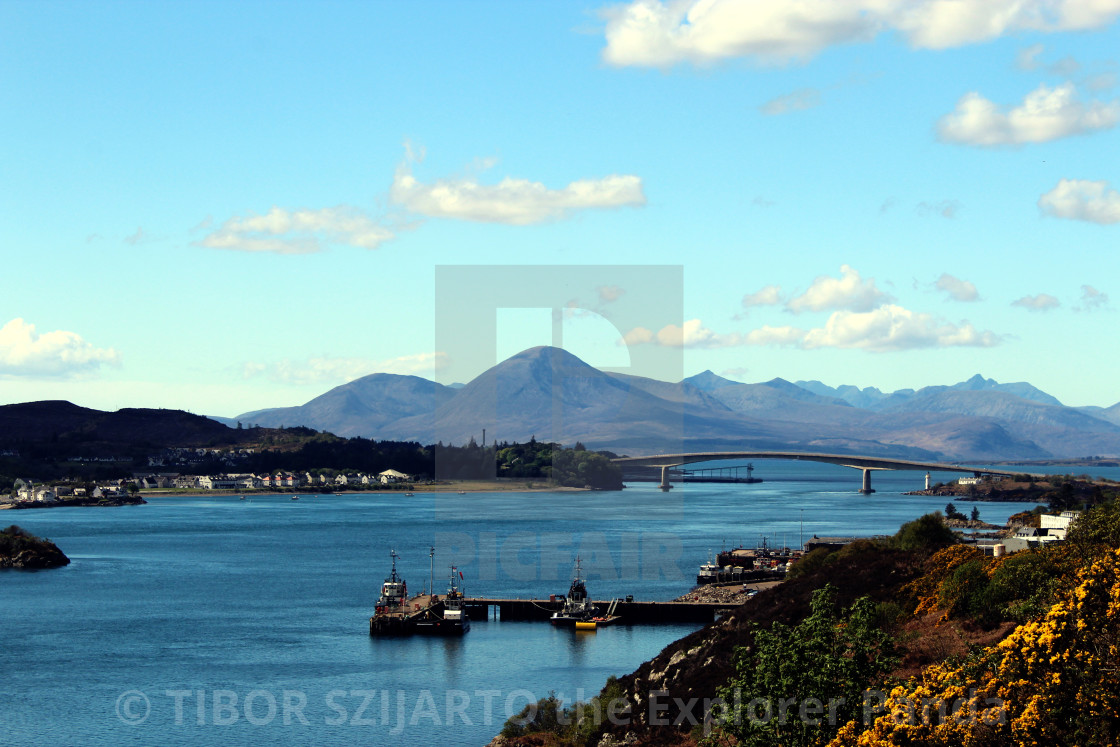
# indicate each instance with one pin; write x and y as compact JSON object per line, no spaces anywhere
{"x":447,"y":617}
{"x":577,"y":607}
{"x":391,"y":615}
{"x":709,"y":572}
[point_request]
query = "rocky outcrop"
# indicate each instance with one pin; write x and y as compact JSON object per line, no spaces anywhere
{"x":24,"y":551}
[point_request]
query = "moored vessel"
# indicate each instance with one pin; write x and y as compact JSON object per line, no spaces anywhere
{"x":577,"y":608}
{"x":390,"y":615}
{"x":446,"y":617}
{"x":761,"y":563}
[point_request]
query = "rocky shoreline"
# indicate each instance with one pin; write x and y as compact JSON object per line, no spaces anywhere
{"x":732,"y":595}
{"x":24,"y":551}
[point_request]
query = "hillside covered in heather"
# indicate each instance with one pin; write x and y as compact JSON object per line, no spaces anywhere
{"x":915,"y":640}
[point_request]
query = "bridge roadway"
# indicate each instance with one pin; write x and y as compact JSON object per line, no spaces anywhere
{"x":864,"y":463}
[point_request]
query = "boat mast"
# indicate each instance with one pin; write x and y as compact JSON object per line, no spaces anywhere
{"x":432,"y":571}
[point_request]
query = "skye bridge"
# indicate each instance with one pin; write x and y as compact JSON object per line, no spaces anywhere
{"x":865,"y":463}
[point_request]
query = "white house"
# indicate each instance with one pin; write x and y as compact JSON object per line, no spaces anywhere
{"x":392,"y":475}
{"x":1058,"y":526}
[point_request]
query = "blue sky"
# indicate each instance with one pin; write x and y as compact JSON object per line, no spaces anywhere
{"x":226,"y":206}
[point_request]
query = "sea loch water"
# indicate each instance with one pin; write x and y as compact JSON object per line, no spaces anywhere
{"x":216,"y":620}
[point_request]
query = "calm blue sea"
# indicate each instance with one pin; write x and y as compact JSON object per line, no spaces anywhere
{"x":216,"y":620}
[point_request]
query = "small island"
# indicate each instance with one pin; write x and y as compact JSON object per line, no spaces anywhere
{"x":18,"y":549}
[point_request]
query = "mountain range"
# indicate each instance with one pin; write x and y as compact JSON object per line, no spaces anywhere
{"x":551,"y":394}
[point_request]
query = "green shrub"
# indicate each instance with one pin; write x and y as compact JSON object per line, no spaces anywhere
{"x":927,"y":532}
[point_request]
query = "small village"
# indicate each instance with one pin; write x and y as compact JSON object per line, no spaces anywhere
{"x":27,"y":491}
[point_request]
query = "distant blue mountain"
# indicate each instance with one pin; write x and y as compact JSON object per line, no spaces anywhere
{"x":1107,"y":414}
{"x":551,"y":394}
{"x":362,"y":407}
{"x":871,"y":398}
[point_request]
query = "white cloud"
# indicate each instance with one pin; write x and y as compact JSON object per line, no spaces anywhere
{"x":513,"y":201}
{"x":326,"y":370}
{"x":892,"y":328}
{"x":769,"y":295}
{"x":940,"y":24}
{"x":1091,"y":299}
{"x":637,"y":336}
{"x":58,"y":354}
{"x":660,"y":34}
{"x":691,"y":334}
{"x":1079,"y":199}
{"x":736,"y":373}
{"x":849,"y":291}
{"x":301,"y":231}
{"x":885,"y":329}
{"x":799,"y":100}
{"x":1046,"y":114}
{"x":1038,"y":302}
{"x":767,"y":335}
{"x":958,"y":290}
{"x":651,"y":33}
{"x":137,"y":237}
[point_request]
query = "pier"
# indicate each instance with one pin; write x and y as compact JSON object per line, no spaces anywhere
{"x":630,"y":612}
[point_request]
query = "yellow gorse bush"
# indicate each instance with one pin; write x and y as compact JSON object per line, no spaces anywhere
{"x":1054,"y":681}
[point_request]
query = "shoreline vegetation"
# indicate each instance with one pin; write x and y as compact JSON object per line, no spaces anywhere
{"x":23,"y":551}
{"x":1060,"y":492}
{"x":323,"y":458}
{"x":915,"y":639}
{"x":456,"y":486}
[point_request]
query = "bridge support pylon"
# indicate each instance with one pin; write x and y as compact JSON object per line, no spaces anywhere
{"x":665,"y":484}
{"x":866,"y":489}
